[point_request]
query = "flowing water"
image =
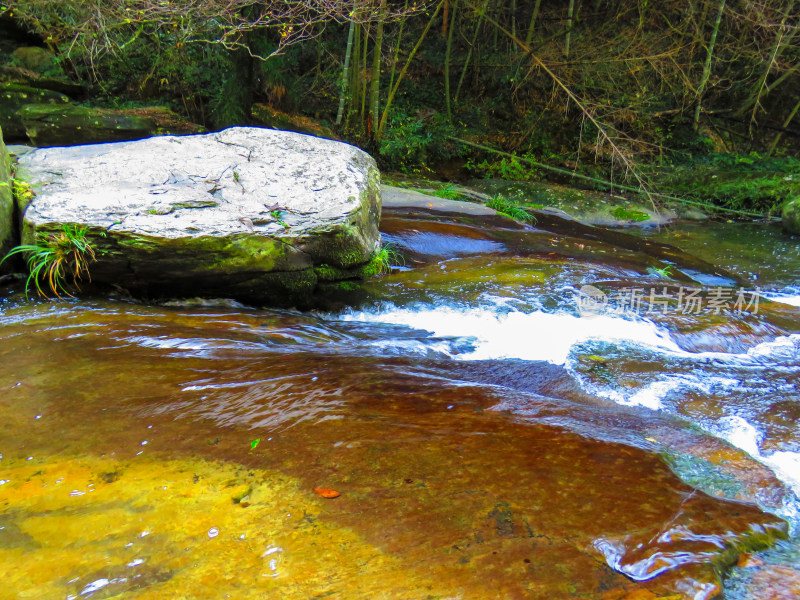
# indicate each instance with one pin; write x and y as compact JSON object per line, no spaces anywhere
{"x":489,"y":432}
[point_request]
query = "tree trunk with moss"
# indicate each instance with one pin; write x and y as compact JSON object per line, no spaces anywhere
{"x":707,"y":66}
{"x":447,"y":55}
{"x":377,"y":51}
{"x":346,"y":69}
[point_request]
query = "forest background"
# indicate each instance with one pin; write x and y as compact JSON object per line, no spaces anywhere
{"x":637,"y":92}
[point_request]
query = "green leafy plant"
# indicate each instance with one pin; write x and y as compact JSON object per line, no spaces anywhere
{"x":509,"y":209}
{"x":386,"y":258}
{"x":411,"y":143}
{"x":625,"y":214}
{"x":22,"y":191}
{"x":506,"y":168}
{"x":663,"y":271}
{"x":448,"y":191}
{"x":277,"y":215}
{"x":58,"y":261}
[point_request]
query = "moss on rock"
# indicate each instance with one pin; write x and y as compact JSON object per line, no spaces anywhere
{"x":13,"y":97}
{"x":6,"y":203}
{"x":67,"y":125}
{"x":188,"y":216}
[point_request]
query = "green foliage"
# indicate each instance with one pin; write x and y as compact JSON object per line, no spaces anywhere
{"x":510,"y":209}
{"x":506,"y":168}
{"x":665,"y":272}
{"x":748,"y":182}
{"x":57,"y":261}
{"x":449,"y":192}
{"x":626,"y":214}
{"x":277,"y":215}
{"x":229,"y":102}
{"x":22,"y":191}
{"x":411,"y":143}
{"x":386,"y":258}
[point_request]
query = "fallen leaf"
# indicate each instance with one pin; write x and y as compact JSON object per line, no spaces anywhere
{"x":326,"y":492}
{"x":748,"y":561}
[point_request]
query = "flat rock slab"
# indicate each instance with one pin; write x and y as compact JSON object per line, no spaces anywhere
{"x":245,"y":213}
{"x":402,"y":198}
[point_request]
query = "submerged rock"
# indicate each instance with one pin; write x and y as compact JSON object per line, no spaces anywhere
{"x":791,"y":216}
{"x":10,"y":74}
{"x":245,"y":213}
{"x":53,"y":125}
{"x":14,"y":96}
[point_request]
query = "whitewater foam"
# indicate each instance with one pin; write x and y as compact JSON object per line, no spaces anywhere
{"x":500,"y":332}
{"x":535,"y":336}
{"x":790,"y":299}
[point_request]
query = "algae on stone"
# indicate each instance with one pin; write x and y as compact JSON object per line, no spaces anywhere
{"x":64,"y":125}
{"x":14,"y":96}
{"x":196,"y":215}
{"x":6,"y":203}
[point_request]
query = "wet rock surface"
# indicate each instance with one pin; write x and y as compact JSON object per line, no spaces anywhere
{"x":69,"y":125}
{"x":441,"y":494}
{"x":245,"y":213}
{"x":462,"y":432}
{"x":14,"y":96}
{"x":587,"y":206}
{"x":791,"y":216}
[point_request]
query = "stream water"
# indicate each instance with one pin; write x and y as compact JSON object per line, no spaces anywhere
{"x":491,"y":430}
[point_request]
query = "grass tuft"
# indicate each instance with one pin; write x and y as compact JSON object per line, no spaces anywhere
{"x":57,"y":262}
{"x":510,"y":209}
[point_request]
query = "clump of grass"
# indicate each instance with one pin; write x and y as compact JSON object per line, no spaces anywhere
{"x":509,"y":209}
{"x":22,"y":191}
{"x":57,"y":262}
{"x":448,"y":191}
{"x":387,"y":257}
{"x":624,"y":214}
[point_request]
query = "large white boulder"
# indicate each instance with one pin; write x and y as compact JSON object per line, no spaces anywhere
{"x":247,"y":213}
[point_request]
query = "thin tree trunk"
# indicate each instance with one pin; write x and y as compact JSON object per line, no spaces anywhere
{"x":402,"y":73}
{"x":376,"y":68}
{"x":346,"y":69}
{"x":783,"y":77}
{"x":707,"y":66}
{"x":786,"y":124}
{"x":532,"y":25}
{"x":447,"y":55}
{"x":782,"y":40}
{"x":397,"y":49}
{"x":355,"y":82}
{"x":471,"y":47}
{"x":570,"y":23}
{"x":364,"y":76}
{"x":514,"y":18}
